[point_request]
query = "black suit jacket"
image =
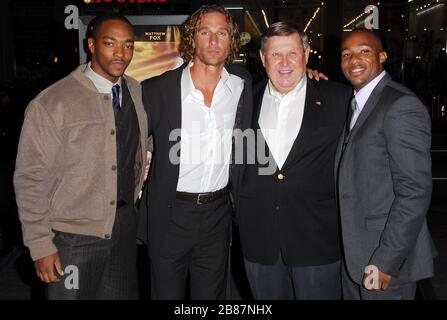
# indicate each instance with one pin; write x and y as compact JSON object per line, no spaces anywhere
{"x":162,"y":101}
{"x":296,"y":214}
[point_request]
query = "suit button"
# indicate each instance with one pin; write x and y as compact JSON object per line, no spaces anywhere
{"x":107,"y":236}
{"x":113,"y":168}
{"x":281,"y":176}
{"x":277,"y":208}
{"x":112,"y":132}
{"x":112,"y":203}
{"x":106,"y":97}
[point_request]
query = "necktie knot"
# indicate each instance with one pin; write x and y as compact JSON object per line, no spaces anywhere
{"x":116,"y":96}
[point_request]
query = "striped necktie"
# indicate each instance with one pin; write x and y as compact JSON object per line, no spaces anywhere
{"x":116,"y":96}
{"x":355,"y":113}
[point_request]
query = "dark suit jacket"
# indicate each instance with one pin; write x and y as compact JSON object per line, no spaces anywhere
{"x":162,"y":101}
{"x":384,"y":186}
{"x":297,"y":214}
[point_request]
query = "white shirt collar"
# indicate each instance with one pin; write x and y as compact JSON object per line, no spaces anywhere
{"x":188,"y":85}
{"x":280,"y":119}
{"x":292,"y":92}
{"x":363,"y":94}
{"x":102,"y":84}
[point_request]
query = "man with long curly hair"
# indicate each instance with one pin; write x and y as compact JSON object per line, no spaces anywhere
{"x":194,"y":110}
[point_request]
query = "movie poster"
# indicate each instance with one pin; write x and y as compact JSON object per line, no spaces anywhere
{"x":156,"y":51}
{"x":157,"y":39}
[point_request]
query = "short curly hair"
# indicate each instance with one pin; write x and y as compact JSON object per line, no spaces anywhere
{"x":189,"y":29}
{"x":96,"y":22}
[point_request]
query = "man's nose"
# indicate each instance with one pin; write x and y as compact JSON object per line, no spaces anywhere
{"x":213,"y":38}
{"x":354,"y":57}
{"x":284,"y":60}
{"x":119,"y":51}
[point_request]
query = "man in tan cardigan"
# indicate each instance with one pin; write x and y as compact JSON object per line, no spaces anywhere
{"x":79,"y":170}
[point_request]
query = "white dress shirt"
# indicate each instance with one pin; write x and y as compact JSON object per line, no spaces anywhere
{"x":280,"y":119}
{"x":102,"y":84}
{"x":206,"y":133}
{"x":362,"y":97}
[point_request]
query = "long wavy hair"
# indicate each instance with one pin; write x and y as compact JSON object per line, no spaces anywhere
{"x":189,"y":29}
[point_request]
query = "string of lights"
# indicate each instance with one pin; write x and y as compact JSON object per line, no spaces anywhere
{"x":428,"y":7}
{"x":358,"y":18}
{"x":265,"y":18}
{"x":313,"y":17}
{"x":354,"y":20}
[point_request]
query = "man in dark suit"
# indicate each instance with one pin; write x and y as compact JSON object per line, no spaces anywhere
{"x":287,"y":217}
{"x":384,"y":179}
{"x":194,"y":110}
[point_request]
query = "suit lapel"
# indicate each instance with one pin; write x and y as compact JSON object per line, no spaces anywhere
{"x":369,"y":106}
{"x":312,"y":108}
{"x":174,"y":99}
{"x":367,"y":109}
{"x":257,"y":103}
{"x":342,"y":141}
{"x":339,"y":152}
{"x":260,"y":139}
{"x":244,"y":113}
{"x":127,"y":99}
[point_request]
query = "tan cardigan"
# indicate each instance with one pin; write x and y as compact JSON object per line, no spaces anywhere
{"x":65,"y":177}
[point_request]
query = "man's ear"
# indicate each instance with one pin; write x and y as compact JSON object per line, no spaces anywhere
{"x":262,"y":55}
{"x":91,"y":45}
{"x":306,"y":53}
{"x":383,"y":56}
